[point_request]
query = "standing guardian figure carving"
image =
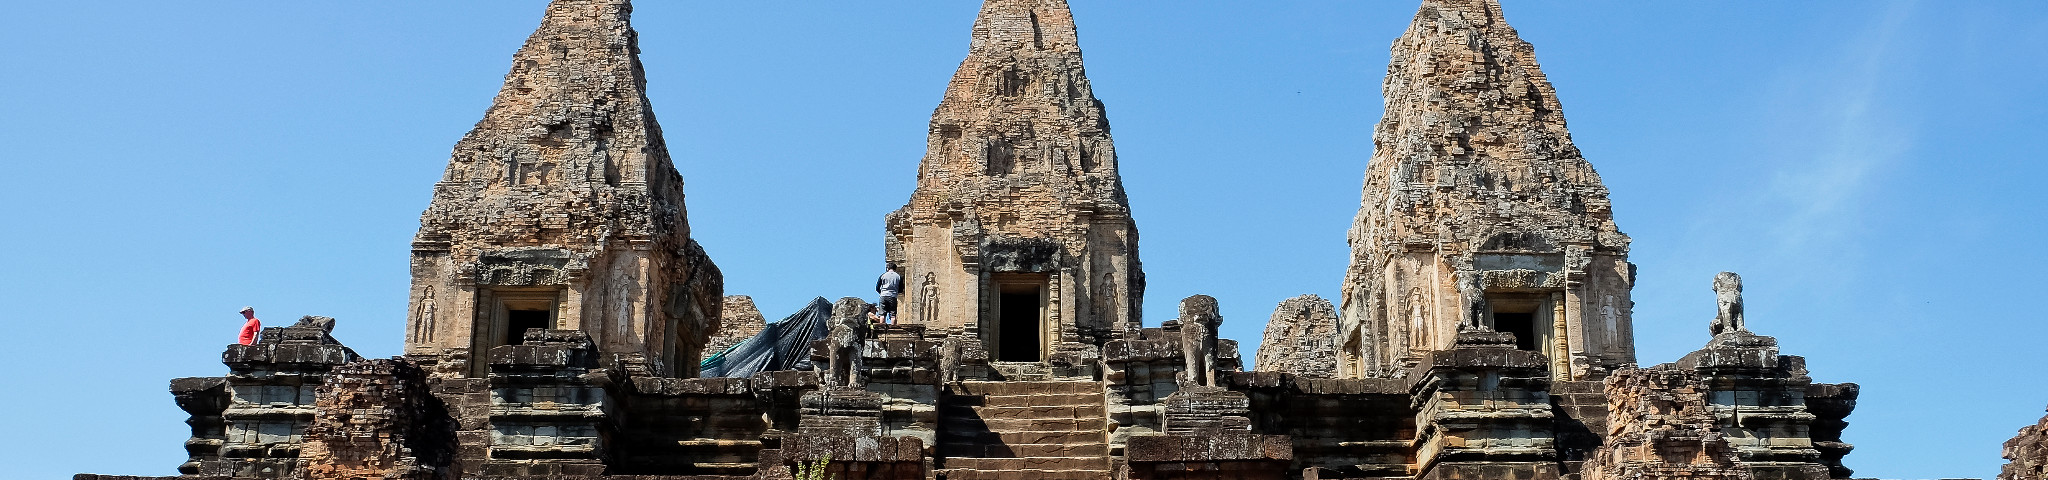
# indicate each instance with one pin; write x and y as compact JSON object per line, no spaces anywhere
{"x":1198,"y":322}
{"x":1728,"y":303}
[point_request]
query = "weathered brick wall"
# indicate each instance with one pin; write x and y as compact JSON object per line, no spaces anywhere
{"x":2027,"y":453}
{"x":377,"y":419}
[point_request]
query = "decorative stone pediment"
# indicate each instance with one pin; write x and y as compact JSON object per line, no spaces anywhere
{"x":526,"y":267}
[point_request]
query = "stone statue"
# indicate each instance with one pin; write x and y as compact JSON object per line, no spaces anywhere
{"x":1198,"y":322}
{"x":1728,"y":303}
{"x":849,"y":328}
{"x":1472,"y":318}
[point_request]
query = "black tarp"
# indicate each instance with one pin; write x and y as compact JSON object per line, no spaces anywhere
{"x":783,"y":345}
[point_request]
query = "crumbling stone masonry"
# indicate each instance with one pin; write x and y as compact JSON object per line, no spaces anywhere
{"x":561,"y":210}
{"x":739,"y":321}
{"x":560,"y":310}
{"x":1019,"y":231}
{"x":1300,"y":338}
{"x":1479,"y":212}
{"x":2027,"y":453}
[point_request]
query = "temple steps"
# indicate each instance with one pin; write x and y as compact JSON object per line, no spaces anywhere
{"x":1024,"y":430}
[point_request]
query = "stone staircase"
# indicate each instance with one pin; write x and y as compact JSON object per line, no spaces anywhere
{"x":1049,"y":430}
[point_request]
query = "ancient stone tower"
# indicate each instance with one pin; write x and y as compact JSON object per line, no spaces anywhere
{"x":560,"y":210}
{"x":1019,"y":231}
{"x":1479,"y":211}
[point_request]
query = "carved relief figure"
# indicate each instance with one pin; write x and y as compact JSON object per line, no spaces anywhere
{"x":623,"y":283}
{"x":1105,"y":297}
{"x":1608,"y":315}
{"x":928,"y":299}
{"x":1198,"y":322}
{"x":1418,"y":319}
{"x":1728,"y":299}
{"x":423,"y":331}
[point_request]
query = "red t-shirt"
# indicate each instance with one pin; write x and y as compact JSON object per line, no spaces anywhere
{"x":249,"y":331}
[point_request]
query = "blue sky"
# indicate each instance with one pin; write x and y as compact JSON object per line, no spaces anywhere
{"x":1868,"y":166}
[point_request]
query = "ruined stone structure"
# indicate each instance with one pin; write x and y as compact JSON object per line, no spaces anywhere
{"x":2027,"y":453}
{"x":1479,"y":211}
{"x":561,"y":210}
{"x":1019,"y":232}
{"x":741,"y":319}
{"x":1300,"y":338}
{"x":560,"y":310}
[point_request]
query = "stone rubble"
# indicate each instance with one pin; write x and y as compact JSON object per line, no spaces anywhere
{"x":1300,"y":339}
{"x":2027,"y":453}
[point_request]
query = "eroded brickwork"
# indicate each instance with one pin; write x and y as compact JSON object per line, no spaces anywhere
{"x":1300,"y":339}
{"x":1018,"y":194}
{"x":1661,"y":427}
{"x":1478,"y":211}
{"x":740,"y":320}
{"x":2027,"y":453}
{"x":562,"y":210}
{"x":376,"y":419}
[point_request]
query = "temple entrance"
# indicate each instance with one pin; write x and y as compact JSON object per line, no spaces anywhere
{"x":1020,"y":314}
{"x":1523,"y":325}
{"x":1522,"y":314}
{"x":518,"y":321}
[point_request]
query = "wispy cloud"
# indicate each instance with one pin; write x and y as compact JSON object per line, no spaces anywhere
{"x":1838,"y":134}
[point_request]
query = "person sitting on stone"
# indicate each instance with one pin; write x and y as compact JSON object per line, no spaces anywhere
{"x":251,"y":327}
{"x":890,"y":286}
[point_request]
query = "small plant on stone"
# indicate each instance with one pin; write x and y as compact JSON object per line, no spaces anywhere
{"x":814,"y":470}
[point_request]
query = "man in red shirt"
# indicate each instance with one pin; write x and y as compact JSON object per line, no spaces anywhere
{"x":250,"y":329}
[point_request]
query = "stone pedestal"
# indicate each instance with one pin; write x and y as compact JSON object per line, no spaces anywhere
{"x":551,"y":406}
{"x":270,"y":386}
{"x":1483,"y":411}
{"x":1208,"y":436}
{"x":845,"y":425}
{"x":1758,"y":399}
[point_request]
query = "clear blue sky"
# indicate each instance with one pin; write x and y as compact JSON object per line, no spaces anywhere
{"x":1868,"y":166}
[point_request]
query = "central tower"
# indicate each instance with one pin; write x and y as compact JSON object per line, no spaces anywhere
{"x":1019,"y":231}
{"x":1478,"y":211}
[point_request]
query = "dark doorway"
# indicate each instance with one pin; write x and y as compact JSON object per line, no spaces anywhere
{"x":1523,"y":325}
{"x":1018,"y":324}
{"x":517,"y":321}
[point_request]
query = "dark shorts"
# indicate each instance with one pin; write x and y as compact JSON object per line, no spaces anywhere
{"x":889,"y":305}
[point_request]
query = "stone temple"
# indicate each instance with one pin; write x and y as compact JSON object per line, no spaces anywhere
{"x":560,"y":310}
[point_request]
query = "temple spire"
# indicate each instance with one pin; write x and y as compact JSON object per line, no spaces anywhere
{"x":561,"y":210}
{"x":1018,"y":192}
{"x":1474,"y":182}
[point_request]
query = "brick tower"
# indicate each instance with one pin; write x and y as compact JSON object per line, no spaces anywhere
{"x":1479,"y":211}
{"x":561,"y":210}
{"x":1019,"y":230}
